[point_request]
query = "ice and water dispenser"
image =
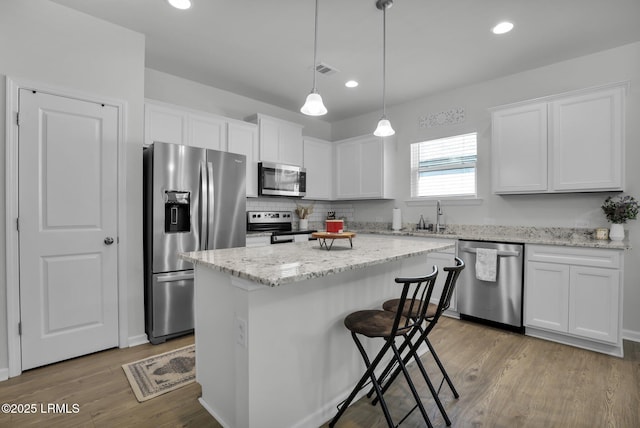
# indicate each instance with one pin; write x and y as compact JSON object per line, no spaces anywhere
{"x":177,"y":208}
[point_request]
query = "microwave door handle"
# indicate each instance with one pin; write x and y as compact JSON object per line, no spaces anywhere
{"x":202,"y":210}
{"x":210,"y":207}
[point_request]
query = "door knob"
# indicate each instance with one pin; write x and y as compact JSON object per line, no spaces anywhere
{"x":108,"y":240}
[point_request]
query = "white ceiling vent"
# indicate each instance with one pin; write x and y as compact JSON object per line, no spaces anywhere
{"x":326,"y":69}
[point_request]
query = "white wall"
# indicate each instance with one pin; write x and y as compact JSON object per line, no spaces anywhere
{"x":562,"y":210}
{"x":44,"y":42}
{"x":176,"y":90}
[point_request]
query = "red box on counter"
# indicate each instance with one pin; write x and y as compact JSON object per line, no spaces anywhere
{"x":335,"y":226}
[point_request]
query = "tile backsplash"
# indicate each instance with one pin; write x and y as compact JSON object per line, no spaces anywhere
{"x":343,"y":211}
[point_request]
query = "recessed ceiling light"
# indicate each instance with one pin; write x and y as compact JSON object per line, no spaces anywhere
{"x":180,"y":4}
{"x":351,"y":84}
{"x":503,"y":27}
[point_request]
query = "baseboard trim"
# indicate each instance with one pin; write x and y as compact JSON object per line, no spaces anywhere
{"x":140,"y":339}
{"x":4,"y":374}
{"x":631,"y":335}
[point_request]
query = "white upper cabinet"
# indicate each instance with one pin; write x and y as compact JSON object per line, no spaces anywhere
{"x":280,"y":141}
{"x":208,"y":132}
{"x":364,"y":168}
{"x":519,"y":149}
{"x":242,"y":137}
{"x":164,"y":124}
{"x":587,"y":141}
{"x":173,"y":124}
{"x":318,"y":161}
{"x":566,"y":143}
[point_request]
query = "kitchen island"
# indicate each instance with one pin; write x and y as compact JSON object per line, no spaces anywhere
{"x":271,"y":347}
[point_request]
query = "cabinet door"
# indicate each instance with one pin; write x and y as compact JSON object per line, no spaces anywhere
{"x":593,"y":307}
{"x":441,"y":260}
{"x":318,"y":161}
{"x":587,"y":141}
{"x":519,"y":149}
{"x":258,"y":241}
{"x":371,"y":170}
{"x":290,"y":145}
{"x":280,"y":141}
{"x":269,"y":140}
{"x":348,"y":165}
{"x":208,"y":132}
{"x":242,"y":138}
{"x":547,"y":296}
{"x":164,"y":124}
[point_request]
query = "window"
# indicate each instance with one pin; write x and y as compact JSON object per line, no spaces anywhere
{"x":444,"y":167}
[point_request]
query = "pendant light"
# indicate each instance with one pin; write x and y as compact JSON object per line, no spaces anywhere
{"x":384,"y":128}
{"x":313,"y":106}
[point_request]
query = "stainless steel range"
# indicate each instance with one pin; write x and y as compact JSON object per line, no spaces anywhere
{"x":279,"y":223}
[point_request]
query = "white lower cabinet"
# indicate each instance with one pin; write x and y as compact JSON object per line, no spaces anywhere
{"x":258,"y":241}
{"x":575,"y":292}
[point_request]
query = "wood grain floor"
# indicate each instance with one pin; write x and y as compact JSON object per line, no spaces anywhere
{"x":504,"y":380}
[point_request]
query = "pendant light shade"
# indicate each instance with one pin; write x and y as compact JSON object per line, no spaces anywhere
{"x":384,"y":128}
{"x":314,"y":106}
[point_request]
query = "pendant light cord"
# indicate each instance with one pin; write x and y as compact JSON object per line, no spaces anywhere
{"x":315,"y":48}
{"x":384,"y":60}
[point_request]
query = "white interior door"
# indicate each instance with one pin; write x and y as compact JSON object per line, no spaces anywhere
{"x":67,"y":172}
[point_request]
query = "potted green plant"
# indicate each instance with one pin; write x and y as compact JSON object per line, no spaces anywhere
{"x":618,"y":211}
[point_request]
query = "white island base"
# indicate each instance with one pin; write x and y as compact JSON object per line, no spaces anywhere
{"x":280,"y":356}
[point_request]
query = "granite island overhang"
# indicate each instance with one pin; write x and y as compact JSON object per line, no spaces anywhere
{"x":271,"y":347}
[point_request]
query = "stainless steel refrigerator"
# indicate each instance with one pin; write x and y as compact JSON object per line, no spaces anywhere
{"x":194,"y":199}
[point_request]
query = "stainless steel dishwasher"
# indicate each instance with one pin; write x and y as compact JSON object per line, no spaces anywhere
{"x":496,"y":302}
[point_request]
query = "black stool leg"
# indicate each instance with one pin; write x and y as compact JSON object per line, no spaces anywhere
{"x":367,"y":374}
{"x":416,"y":396}
{"x":444,"y":372}
{"x":413,"y":353}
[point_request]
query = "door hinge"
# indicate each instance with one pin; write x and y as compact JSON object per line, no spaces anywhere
{"x":18,"y":118}
{"x":19,"y":329}
{"x":18,"y":224}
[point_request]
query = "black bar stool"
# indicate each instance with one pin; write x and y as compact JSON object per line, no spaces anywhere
{"x":431,"y":319}
{"x":387,"y":325}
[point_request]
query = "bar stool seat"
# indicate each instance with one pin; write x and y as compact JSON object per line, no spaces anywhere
{"x":390,"y":326}
{"x":374,"y":323}
{"x":392,"y":306}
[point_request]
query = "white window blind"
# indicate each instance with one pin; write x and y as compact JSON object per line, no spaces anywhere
{"x":444,"y":167}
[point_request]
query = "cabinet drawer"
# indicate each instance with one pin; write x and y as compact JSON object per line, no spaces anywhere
{"x":594,"y":257}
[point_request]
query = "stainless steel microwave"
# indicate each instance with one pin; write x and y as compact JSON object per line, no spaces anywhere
{"x":275,"y":179}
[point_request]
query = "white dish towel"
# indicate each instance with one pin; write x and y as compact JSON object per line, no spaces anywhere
{"x":486,"y":264}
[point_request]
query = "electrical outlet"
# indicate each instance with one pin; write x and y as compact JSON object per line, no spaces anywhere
{"x":241,"y":332}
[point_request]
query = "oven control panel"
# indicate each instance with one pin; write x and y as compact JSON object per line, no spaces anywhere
{"x":269,"y":216}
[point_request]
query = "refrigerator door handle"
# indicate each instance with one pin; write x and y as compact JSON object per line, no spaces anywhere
{"x":210,"y":207}
{"x":202,"y":210}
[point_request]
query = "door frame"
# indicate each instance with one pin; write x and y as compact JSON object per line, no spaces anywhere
{"x":13,"y":85}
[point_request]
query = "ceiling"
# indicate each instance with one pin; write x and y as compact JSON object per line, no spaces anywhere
{"x":263,"y":49}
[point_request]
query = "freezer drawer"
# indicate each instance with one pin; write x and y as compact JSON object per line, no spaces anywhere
{"x":172,"y":300}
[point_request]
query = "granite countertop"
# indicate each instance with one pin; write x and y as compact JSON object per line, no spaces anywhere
{"x":567,"y":237}
{"x":276,"y":265}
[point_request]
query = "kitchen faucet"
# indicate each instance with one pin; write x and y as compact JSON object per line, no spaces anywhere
{"x":438,"y":214}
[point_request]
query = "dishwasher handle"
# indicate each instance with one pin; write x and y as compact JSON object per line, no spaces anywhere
{"x":500,"y":252}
